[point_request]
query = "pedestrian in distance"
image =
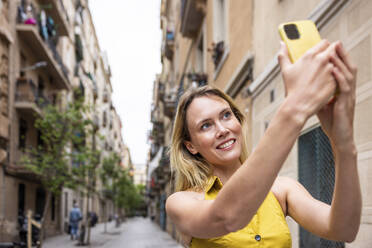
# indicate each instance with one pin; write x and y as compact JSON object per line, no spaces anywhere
{"x":74,"y":219}
{"x":225,"y":198}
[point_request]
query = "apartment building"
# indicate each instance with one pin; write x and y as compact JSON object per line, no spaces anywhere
{"x":233,"y":45}
{"x":48,"y":48}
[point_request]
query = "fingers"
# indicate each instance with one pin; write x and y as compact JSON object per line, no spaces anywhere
{"x":341,"y":80}
{"x":326,"y":55}
{"x":345,"y":58}
{"x":336,"y":60}
{"x":283,"y":56}
{"x":320,"y":47}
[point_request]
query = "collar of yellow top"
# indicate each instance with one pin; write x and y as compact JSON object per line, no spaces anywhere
{"x":213,"y":182}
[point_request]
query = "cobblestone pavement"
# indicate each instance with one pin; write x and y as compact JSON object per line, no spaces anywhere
{"x":134,"y":233}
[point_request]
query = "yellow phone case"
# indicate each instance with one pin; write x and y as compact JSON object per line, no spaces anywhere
{"x":308,"y":37}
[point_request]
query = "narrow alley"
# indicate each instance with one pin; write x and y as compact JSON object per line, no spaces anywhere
{"x":136,"y":232}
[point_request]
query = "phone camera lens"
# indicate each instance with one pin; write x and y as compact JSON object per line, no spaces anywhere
{"x":291,"y":31}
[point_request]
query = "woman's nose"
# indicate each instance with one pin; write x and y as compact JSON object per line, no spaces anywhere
{"x":222,"y":131}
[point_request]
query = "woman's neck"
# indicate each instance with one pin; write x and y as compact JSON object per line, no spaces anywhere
{"x":225,"y":172}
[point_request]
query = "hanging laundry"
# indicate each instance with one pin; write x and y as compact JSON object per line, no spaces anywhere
{"x":43,"y":26}
{"x":30,"y":17}
{"x":51,"y":27}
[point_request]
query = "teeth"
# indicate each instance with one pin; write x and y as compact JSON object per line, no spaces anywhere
{"x":226,"y":144}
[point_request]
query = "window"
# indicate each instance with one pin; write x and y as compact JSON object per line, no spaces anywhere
{"x":316,"y":173}
{"x":22,"y":134}
{"x":66,"y":204}
{"x":104,"y":123}
{"x":219,"y":48}
{"x":199,"y":63}
{"x":219,"y":20}
{"x":40,"y":202}
{"x":21,"y":199}
{"x":272,"y":95}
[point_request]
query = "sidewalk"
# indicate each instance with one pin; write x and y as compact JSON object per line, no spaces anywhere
{"x":97,"y":237}
{"x":134,"y":233}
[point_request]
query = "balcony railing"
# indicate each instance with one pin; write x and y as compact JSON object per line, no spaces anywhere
{"x":157,"y":133}
{"x":155,"y":116}
{"x":192,"y":14}
{"x":18,"y":169}
{"x":199,"y":79}
{"x":161,"y":90}
{"x":44,"y":47}
{"x":170,"y":104}
{"x":26,"y":99}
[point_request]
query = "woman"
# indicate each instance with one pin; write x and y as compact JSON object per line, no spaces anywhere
{"x":226,"y":199}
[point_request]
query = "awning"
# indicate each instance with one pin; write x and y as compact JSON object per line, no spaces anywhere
{"x":154,"y":163}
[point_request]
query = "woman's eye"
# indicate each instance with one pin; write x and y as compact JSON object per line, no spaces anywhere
{"x":227,"y":114}
{"x":204,"y":126}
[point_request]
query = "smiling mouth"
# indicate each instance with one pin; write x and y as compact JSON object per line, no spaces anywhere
{"x":226,"y":144}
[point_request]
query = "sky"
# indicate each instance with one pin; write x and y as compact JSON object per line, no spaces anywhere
{"x":130,"y":33}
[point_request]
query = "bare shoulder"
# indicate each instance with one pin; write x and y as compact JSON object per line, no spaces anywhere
{"x":177,"y":200}
{"x":183,"y":196}
{"x":176,"y":206}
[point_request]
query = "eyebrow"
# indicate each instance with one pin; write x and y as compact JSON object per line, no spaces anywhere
{"x":207,"y":119}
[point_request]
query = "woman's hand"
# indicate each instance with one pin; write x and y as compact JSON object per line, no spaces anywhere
{"x":337,"y":117}
{"x":309,"y":83}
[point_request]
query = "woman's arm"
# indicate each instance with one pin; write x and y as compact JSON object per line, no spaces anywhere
{"x":338,"y":221}
{"x":245,"y":191}
{"x":341,"y":220}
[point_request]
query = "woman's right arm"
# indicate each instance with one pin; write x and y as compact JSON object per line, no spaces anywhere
{"x":309,"y":85}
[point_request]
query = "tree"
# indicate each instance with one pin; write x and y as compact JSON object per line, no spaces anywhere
{"x":119,"y":185}
{"x":63,"y":133}
{"x":108,"y":174}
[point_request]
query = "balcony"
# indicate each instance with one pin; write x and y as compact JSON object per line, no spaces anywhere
{"x":161,"y":90}
{"x":94,"y":84}
{"x":170,"y":105}
{"x":155,"y":116}
{"x":199,"y":79}
{"x":105,"y":96}
{"x":26,"y":99}
{"x":192,"y":14}
{"x":56,"y":10}
{"x":45,"y":51}
{"x":169,"y":44}
{"x":157,"y":133}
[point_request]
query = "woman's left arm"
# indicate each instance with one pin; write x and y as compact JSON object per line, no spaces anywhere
{"x":337,"y":120}
{"x":341,"y":220}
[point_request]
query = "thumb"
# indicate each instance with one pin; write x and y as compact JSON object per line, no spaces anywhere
{"x":283,"y":57}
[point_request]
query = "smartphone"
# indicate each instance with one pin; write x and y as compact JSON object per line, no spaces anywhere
{"x":299,"y":36}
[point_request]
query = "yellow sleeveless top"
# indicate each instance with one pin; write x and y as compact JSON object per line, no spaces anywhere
{"x":268,"y":227}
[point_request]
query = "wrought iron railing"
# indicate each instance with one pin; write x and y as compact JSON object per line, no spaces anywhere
{"x":316,"y":172}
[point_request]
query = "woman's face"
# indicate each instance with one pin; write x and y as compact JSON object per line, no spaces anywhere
{"x":215,"y":132}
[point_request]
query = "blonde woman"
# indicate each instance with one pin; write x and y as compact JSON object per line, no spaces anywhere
{"x":226,"y":199}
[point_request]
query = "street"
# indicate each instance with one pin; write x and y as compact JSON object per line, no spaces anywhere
{"x":134,"y":233}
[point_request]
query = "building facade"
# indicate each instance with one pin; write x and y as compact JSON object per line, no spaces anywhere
{"x":49,"y":48}
{"x":233,"y":45}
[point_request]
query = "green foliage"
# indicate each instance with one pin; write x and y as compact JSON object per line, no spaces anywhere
{"x":119,"y":185}
{"x":63,"y":135}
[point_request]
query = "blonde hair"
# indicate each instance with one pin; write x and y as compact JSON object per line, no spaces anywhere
{"x":193,"y":171}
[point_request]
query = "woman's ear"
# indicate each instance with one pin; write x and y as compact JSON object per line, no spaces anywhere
{"x":190,"y":147}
